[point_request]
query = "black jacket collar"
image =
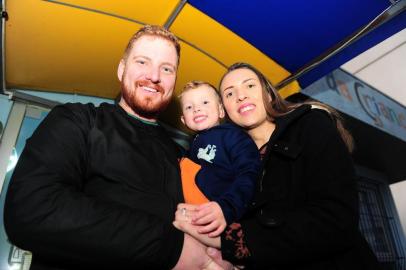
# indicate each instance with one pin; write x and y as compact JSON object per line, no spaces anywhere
{"x":283,"y":122}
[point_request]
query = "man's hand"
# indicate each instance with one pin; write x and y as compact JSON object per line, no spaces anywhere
{"x":194,"y":257}
{"x":215,"y":255}
{"x":211,"y":219}
{"x":192,"y":230}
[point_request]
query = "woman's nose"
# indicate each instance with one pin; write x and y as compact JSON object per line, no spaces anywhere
{"x":241,"y":95}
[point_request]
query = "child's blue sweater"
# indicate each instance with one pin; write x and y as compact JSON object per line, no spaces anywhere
{"x":230,"y":166}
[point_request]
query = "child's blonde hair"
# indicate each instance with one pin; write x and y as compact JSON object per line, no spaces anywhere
{"x":195,"y":84}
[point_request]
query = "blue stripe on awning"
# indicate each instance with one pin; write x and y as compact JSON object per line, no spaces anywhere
{"x":378,"y":35}
{"x":293,"y":33}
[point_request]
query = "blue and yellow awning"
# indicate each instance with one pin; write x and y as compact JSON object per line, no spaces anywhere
{"x":75,"y":45}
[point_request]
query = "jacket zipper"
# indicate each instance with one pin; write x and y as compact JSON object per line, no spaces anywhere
{"x":261,"y":181}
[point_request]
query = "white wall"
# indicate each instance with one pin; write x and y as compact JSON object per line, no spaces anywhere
{"x":383,"y":67}
{"x":399,"y":195}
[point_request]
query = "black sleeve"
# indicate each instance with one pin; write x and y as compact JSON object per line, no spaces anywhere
{"x":47,"y":212}
{"x":246,"y":165}
{"x":325,"y":224}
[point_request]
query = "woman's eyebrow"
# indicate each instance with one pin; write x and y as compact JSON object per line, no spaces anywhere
{"x":249,"y":79}
{"x":244,"y":81}
{"x":231,"y":86}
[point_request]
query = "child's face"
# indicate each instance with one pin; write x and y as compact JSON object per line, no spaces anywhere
{"x":201,"y":108}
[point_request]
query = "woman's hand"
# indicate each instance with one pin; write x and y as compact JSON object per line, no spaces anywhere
{"x":208,"y":217}
{"x":185,"y":212}
{"x":183,"y":216}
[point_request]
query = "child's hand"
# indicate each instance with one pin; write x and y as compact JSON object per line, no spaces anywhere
{"x":211,"y":217}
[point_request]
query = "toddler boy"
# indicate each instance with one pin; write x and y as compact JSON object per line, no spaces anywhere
{"x":223,"y":162}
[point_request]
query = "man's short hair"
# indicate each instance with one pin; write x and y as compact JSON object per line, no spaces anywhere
{"x":156,"y":31}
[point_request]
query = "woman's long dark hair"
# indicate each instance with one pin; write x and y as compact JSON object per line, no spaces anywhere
{"x":279,"y":106}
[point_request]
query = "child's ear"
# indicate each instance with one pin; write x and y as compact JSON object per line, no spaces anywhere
{"x":182,"y":118}
{"x":221,"y":110}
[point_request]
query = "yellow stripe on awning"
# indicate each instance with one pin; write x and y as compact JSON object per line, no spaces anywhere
{"x":75,"y":46}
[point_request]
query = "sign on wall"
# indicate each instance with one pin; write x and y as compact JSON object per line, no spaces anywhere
{"x":360,"y":100}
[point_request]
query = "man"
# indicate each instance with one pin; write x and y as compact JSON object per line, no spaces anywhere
{"x":97,"y":188}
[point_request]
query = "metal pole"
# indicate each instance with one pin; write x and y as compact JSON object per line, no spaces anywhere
{"x":385,"y":16}
{"x":174,"y":14}
{"x":4,"y":17}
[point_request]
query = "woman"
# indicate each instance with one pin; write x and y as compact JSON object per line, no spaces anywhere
{"x":305,"y":211}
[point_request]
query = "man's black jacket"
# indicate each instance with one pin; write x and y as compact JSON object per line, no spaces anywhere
{"x":96,"y":188}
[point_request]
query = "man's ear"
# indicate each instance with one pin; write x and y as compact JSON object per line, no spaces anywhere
{"x":120,"y":70}
{"x":182,"y":118}
{"x":221,"y":110}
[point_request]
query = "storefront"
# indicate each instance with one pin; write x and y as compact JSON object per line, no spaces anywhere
{"x":378,"y":125}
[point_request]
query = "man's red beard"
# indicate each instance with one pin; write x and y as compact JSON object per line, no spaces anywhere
{"x":146,"y":106}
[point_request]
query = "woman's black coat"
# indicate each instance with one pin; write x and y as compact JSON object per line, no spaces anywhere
{"x":305,"y":213}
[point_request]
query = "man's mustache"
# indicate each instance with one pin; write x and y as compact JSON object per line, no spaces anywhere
{"x":149,"y":84}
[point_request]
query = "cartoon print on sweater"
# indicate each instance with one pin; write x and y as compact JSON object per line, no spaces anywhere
{"x":207,"y":153}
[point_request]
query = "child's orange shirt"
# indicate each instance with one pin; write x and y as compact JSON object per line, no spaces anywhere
{"x":191,"y":191}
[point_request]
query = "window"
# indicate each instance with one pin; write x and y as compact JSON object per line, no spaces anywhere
{"x":378,"y":220}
